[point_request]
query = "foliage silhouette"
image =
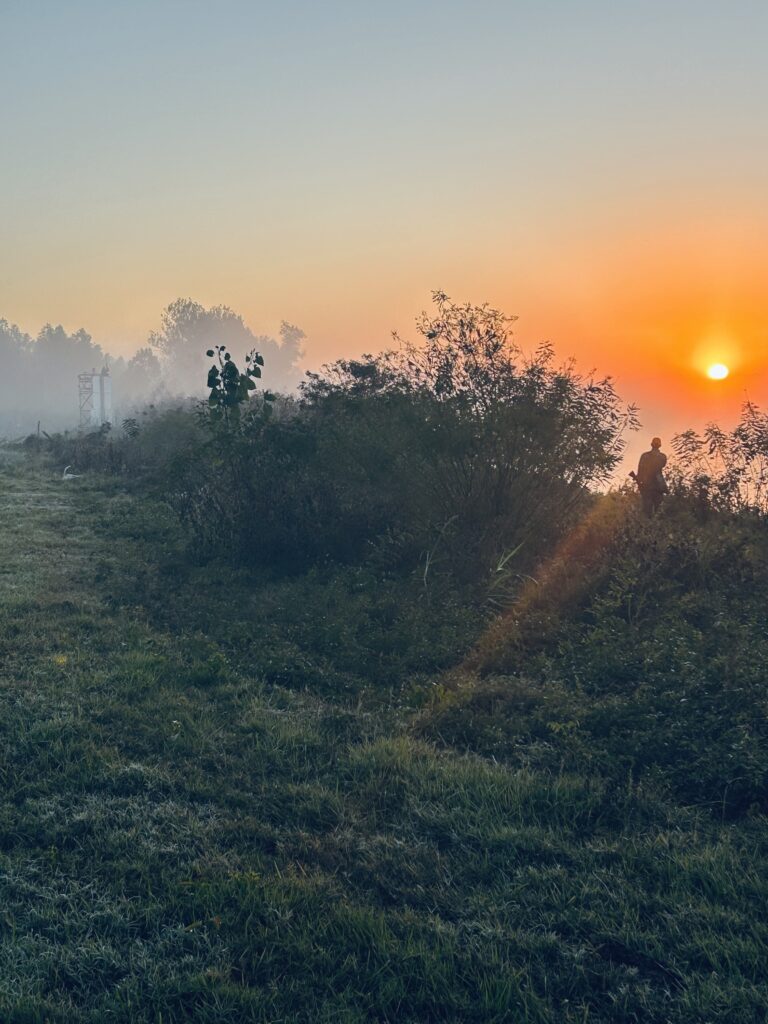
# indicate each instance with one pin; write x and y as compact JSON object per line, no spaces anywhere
{"x":188,"y":329}
{"x":727,"y":469}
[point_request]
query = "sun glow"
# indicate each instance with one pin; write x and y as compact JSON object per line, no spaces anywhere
{"x":718,"y":371}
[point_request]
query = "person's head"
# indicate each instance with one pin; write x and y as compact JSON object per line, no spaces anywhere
{"x":656,"y":442}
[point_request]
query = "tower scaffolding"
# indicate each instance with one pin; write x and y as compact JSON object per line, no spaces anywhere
{"x":95,"y":392}
{"x":85,"y":390}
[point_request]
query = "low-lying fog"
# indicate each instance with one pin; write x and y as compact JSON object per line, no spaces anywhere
{"x":39,"y":376}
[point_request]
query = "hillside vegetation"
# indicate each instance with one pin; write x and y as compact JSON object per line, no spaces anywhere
{"x":366,"y":707}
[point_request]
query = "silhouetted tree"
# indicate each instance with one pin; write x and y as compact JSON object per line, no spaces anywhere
{"x":494,"y":447}
{"x":40,"y":376}
{"x":727,"y":469}
{"x":139,"y":378}
{"x":14,"y":379}
{"x":189,"y":329}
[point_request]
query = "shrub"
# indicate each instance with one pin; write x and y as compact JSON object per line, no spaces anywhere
{"x":656,"y":669}
{"x":727,"y":470}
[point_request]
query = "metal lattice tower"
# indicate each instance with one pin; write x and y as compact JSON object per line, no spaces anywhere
{"x":95,"y":390}
{"x":85,"y":389}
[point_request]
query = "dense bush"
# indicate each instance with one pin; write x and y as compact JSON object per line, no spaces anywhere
{"x":148,"y":450}
{"x":657,"y":670}
{"x":438,"y":458}
{"x":484,"y":450}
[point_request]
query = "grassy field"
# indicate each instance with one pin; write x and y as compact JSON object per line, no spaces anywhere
{"x":207,"y":816}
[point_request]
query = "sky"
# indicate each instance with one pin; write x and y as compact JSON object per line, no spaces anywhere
{"x":597,"y":169}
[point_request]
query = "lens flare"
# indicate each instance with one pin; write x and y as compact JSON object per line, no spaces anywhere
{"x":718,"y":371}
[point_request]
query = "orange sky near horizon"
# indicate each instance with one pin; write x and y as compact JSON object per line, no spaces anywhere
{"x":652,"y":307}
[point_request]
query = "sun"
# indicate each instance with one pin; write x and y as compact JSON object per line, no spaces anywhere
{"x":718,"y":371}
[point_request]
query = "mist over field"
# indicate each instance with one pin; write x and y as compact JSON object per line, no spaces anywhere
{"x":39,"y":383}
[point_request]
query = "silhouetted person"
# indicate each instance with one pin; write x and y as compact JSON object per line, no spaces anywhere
{"x":650,"y":477}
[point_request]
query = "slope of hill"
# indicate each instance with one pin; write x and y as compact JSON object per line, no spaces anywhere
{"x":640,"y":652}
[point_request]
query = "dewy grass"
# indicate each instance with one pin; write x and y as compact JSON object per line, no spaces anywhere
{"x":183,"y":839}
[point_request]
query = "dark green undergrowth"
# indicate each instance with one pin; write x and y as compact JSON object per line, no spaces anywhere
{"x":656,"y":672}
{"x":214,"y":807}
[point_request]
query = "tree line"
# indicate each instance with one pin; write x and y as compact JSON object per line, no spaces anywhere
{"x":39,"y":378}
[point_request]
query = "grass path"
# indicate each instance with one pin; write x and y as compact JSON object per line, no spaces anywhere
{"x":179,"y":841}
